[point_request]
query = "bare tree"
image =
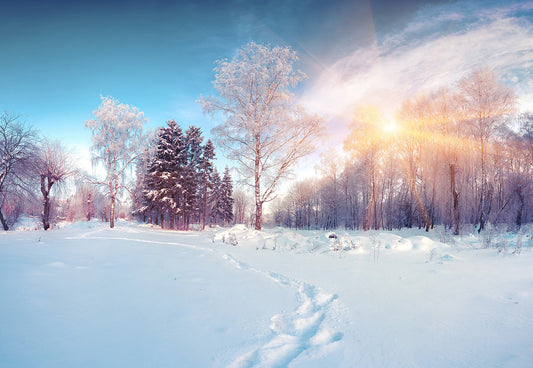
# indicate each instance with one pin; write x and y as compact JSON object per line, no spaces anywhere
{"x":366,"y":142}
{"x":241,"y":203}
{"x":329,"y":166}
{"x":54,"y":165}
{"x":117,"y":136}
{"x":412,"y":115}
{"x":265,"y":131}
{"x":17,"y":155}
{"x":86,"y":202}
{"x":486,"y":104}
{"x":448,"y":137}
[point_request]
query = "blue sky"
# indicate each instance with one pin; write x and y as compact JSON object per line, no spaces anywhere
{"x":58,"y":57}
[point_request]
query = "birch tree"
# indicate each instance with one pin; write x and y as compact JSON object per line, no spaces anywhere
{"x":366,"y":142}
{"x":265,"y":131}
{"x":486,"y":105}
{"x":116,"y":137}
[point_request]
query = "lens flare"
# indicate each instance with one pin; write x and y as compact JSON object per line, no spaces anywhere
{"x":390,"y":127}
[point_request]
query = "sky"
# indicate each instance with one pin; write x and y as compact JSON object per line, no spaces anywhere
{"x":58,"y":57}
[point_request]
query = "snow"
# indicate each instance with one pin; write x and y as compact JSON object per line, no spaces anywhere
{"x":85,"y":295}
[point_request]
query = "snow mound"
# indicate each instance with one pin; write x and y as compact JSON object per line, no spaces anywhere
{"x":26,"y":223}
{"x":316,"y":241}
{"x":81,"y":225}
{"x":236,"y":234}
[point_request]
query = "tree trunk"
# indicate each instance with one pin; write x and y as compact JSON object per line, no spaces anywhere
{"x":482,"y":218}
{"x":455,"y":200}
{"x":3,"y":221}
{"x":45,"y":190}
{"x":258,"y":202}
{"x":89,"y":204}
{"x":520,"y":206}
{"x":46,"y":213}
{"x":258,"y":215}
{"x":112,"y":215}
{"x":204,"y":212}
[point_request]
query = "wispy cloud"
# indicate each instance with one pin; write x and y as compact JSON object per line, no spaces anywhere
{"x":439,"y":46}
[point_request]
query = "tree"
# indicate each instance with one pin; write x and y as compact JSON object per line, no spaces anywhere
{"x":206,"y":173}
{"x":241,"y":202}
{"x":178,"y":176}
{"x":448,"y":135}
{"x":54,"y":166}
{"x":86,"y":202}
{"x":191,"y":174}
{"x":329,"y":166}
{"x":366,"y":141}
{"x":265,"y":131}
{"x":140,"y":204}
{"x":216,"y":197}
{"x":116,"y":137}
{"x":227,"y":197}
{"x":486,"y":105}
{"x":18,"y":143}
{"x":163,"y":189}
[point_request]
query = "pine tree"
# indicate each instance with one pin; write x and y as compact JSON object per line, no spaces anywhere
{"x":206,"y":173}
{"x":191,"y":174}
{"x":215,"y":198}
{"x":164,"y":189}
{"x":226,"y":198}
{"x":178,"y":178}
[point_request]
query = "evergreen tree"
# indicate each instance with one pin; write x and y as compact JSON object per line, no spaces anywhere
{"x":226,"y":197}
{"x":191,"y":174}
{"x":178,"y":176}
{"x":164,"y":178}
{"x":215,"y":198}
{"x":206,"y":173}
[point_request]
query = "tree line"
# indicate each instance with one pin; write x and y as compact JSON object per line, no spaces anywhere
{"x":30,"y":166}
{"x":170,"y":176}
{"x":461,"y":155}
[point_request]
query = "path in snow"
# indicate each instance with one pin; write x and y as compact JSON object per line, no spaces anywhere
{"x":292,"y":333}
{"x":128,"y":297}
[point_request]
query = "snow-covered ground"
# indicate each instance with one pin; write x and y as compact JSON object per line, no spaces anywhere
{"x":85,"y":295}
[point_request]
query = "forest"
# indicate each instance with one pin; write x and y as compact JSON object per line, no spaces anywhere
{"x":460,"y":156}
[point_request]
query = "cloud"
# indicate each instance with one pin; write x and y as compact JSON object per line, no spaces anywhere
{"x":436,"y":48}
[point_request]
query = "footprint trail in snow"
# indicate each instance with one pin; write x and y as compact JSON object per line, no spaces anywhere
{"x":293,"y":333}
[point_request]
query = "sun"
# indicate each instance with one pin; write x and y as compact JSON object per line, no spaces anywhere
{"x":390,"y":127}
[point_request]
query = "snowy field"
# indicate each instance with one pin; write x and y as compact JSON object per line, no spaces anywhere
{"x":134,"y":296}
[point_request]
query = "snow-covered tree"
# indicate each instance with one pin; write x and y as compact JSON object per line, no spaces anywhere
{"x":191,"y":174}
{"x":205,"y":178}
{"x":486,"y":105}
{"x":117,"y":138}
{"x":226,"y":203}
{"x":215,"y":198}
{"x":86,"y":203}
{"x":241,"y":206}
{"x":265,"y":131}
{"x":366,"y":143}
{"x":18,"y":153}
{"x":164,"y":180}
{"x":140,"y":204}
{"x":177,"y":180}
{"x":54,"y":165}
